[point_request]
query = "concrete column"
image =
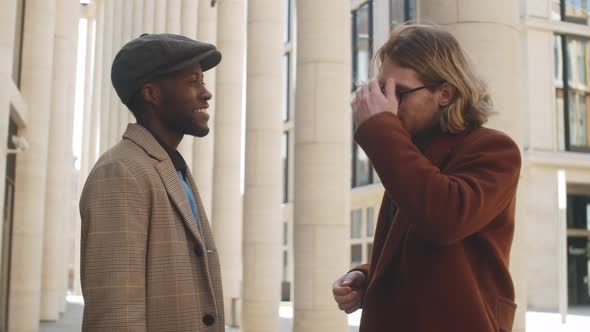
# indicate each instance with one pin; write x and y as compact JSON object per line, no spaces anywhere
{"x":173,"y":16}
{"x":88,"y":123}
{"x":138,"y":18}
{"x":160,"y":16}
{"x":107,"y":60}
{"x":497,"y":58}
{"x":92,"y":102}
{"x":322,"y":162}
{"x":130,"y":15}
{"x":203,"y":147}
{"x":7,"y":26}
{"x":116,"y":107}
{"x":97,"y":86}
{"x":137,"y":30}
{"x":59,"y":160}
{"x":188,"y":12}
{"x":149,"y":16}
{"x":227,"y":199}
{"x":70,"y":172}
{"x":263,"y":221}
{"x":29,"y":209}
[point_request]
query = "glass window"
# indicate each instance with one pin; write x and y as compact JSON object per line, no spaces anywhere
{"x":556,"y":10}
{"x":356,"y":224}
{"x":578,"y":212}
{"x":578,"y":270}
{"x":370,"y":221}
{"x":285,"y":233}
{"x":285,"y":167}
{"x":573,"y":98}
{"x":560,"y":116}
{"x":401,"y":11}
{"x":356,"y":254}
{"x":285,"y":264}
{"x":369,"y":251}
{"x":558,"y":60}
{"x":363,"y":172}
{"x":362,"y":51}
{"x":574,"y":11}
{"x":362,"y":43}
{"x":287,"y":24}
{"x":18,"y":41}
{"x":286,"y":85}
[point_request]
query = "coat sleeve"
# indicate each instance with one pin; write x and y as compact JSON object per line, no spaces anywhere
{"x":113,"y":250}
{"x":443,"y":207}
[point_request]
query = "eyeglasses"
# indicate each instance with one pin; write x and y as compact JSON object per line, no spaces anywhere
{"x":399,"y":94}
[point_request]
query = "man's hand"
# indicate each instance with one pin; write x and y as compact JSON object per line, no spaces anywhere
{"x":370,"y":100}
{"x":348,"y":291}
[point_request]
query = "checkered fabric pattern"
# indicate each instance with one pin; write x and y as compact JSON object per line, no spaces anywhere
{"x":144,"y":264}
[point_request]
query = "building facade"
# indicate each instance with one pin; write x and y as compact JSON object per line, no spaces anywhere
{"x":557,"y":151}
{"x":38,"y":43}
{"x":292,"y":199}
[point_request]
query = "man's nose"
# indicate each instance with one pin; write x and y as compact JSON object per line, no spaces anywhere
{"x":206,"y":94}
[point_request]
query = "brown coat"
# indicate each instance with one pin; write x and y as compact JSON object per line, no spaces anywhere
{"x":144,"y":264}
{"x":441,"y":264}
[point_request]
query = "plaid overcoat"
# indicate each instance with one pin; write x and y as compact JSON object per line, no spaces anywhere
{"x":145,"y":265}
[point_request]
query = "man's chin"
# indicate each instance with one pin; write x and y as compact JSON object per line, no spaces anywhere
{"x":199,"y":132}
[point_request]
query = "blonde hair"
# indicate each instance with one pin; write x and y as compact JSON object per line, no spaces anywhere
{"x":436,"y":57}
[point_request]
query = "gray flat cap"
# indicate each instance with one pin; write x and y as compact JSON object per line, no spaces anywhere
{"x":153,"y":55}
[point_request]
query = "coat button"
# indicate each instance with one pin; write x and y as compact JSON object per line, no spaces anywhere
{"x":198,"y":251}
{"x":208,"y":320}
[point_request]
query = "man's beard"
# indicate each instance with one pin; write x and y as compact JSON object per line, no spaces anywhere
{"x":200,"y":132}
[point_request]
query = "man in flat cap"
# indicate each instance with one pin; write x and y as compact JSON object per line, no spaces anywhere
{"x":148,"y":259}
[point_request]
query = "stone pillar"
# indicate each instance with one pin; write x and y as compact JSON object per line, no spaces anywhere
{"x":160,"y":16}
{"x":88,"y":122}
{"x":97,"y":86}
{"x":138,"y":19}
{"x":107,"y":60}
{"x":29,"y":205}
{"x":59,"y":160}
{"x":497,"y":59}
{"x":187,"y":19}
{"x":130,"y":14}
{"x":137,"y":30}
{"x":7,"y":27}
{"x":149,"y":7}
{"x":116,"y":107}
{"x":263,"y":220}
{"x":203,"y":147}
{"x":173,"y":9}
{"x":92,"y":113}
{"x":227,"y":199}
{"x":322,"y":162}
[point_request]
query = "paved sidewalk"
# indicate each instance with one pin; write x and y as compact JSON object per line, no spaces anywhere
{"x":578,"y":320}
{"x":70,"y":321}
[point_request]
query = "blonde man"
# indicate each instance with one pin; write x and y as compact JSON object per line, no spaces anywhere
{"x":446,"y":224}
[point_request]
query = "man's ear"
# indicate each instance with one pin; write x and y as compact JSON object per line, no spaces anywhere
{"x":151,"y":93}
{"x":447,"y":94}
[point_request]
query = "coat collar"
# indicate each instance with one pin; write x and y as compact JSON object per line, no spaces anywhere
{"x":438,"y":152}
{"x":143,"y":138}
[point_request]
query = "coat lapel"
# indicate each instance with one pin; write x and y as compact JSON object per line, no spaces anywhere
{"x":178,"y":197}
{"x":167,"y":172}
{"x":210,"y":253}
{"x":438,"y":153}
